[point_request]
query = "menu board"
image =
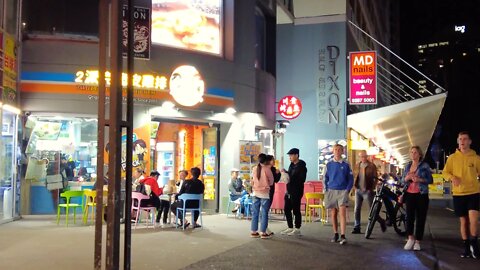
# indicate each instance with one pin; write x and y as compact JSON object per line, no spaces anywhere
{"x":189,"y":24}
{"x":249,"y":151}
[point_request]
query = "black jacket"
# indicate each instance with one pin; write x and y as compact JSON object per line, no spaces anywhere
{"x":193,"y":186}
{"x":276,"y":178}
{"x":298,"y":174}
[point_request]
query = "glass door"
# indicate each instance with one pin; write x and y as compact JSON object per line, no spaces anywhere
{"x":8,"y":196}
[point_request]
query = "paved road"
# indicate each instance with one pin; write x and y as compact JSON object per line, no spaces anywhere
{"x":224,"y":243}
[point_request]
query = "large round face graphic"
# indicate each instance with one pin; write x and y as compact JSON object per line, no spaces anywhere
{"x":187,"y":86}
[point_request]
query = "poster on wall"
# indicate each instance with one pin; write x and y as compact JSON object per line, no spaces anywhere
{"x":209,"y":162}
{"x":9,"y":75}
{"x":325,"y":154}
{"x":141,"y":36}
{"x":140,"y":148}
{"x":249,"y":151}
{"x":363,"y":78}
{"x":188,"y":24}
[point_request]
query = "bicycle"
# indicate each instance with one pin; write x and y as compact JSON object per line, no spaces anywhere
{"x":395,"y":211}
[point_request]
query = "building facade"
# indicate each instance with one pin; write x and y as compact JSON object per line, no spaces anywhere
{"x":185,"y":79}
{"x":9,"y":46}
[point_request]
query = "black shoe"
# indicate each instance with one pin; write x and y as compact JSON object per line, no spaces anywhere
{"x":335,"y":238}
{"x":474,"y":248}
{"x":235,"y":210}
{"x":356,"y":231}
{"x":466,"y":252}
{"x":197,"y":226}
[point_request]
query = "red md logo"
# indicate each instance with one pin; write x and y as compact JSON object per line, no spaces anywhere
{"x":289,"y":107}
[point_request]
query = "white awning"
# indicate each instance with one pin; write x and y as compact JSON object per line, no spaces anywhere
{"x":397,"y":127}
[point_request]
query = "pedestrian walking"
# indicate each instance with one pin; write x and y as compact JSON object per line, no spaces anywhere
{"x":416,"y":178}
{"x":297,"y":172}
{"x":364,"y":186}
{"x":338,"y":183}
{"x":463,"y":169}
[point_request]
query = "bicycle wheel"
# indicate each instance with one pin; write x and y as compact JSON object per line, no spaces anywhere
{"x":400,"y":222}
{"x":372,"y":219}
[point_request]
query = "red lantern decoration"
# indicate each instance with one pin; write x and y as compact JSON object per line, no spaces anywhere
{"x":289,"y":107}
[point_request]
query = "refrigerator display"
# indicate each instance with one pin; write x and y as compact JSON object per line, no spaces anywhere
{"x":165,"y":162}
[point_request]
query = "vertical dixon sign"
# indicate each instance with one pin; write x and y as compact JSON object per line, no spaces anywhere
{"x":363,"y":78}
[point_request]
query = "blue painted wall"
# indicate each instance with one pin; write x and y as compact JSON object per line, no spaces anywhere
{"x":305,"y":69}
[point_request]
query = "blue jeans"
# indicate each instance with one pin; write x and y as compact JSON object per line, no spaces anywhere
{"x":258,"y":205}
{"x":359,"y":198}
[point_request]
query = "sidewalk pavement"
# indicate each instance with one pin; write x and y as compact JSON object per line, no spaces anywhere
{"x":36,"y":242}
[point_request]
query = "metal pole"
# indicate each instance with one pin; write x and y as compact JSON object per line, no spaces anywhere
{"x":103,"y":28}
{"x":129,"y":126}
{"x":115,"y":130}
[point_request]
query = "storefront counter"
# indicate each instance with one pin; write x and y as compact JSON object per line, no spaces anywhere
{"x":44,"y":201}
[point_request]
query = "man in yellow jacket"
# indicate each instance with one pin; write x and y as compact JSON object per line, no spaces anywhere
{"x":463,"y":169}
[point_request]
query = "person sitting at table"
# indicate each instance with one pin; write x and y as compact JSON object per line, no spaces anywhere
{"x":190,"y":186}
{"x":182,"y":175}
{"x":235,"y":187}
{"x":152,"y":189}
{"x":168,"y":190}
{"x":137,"y":175}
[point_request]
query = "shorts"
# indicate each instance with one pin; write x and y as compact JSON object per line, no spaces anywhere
{"x":336,"y":198}
{"x":462,"y":204}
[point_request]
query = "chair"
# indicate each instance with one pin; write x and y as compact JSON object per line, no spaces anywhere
{"x":137,"y":198}
{"x":189,"y":197}
{"x":68,"y":195}
{"x":228,"y":205}
{"x":91,"y":203}
{"x":311,"y":199}
{"x":248,"y":207}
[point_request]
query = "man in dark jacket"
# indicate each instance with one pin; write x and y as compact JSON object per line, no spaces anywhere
{"x":297,"y":172}
{"x":364,"y":185}
{"x":190,"y":186}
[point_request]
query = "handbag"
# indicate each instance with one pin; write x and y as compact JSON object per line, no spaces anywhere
{"x":141,"y":188}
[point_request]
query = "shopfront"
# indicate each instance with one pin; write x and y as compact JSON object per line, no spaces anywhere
{"x":61,"y":146}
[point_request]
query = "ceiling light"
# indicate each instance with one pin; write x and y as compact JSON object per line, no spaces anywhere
{"x":230,"y":110}
{"x":168,"y":105}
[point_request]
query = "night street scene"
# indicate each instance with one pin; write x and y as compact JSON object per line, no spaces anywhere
{"x":239,"y":134}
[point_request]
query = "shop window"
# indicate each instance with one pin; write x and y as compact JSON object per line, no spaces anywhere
{"x":78,"y":17}
{"x":68,"y":146}
{"x":7,"y":163}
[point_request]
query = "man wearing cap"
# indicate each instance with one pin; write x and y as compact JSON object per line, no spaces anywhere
{"x":235,"y":186}
{"x":297,"y":171}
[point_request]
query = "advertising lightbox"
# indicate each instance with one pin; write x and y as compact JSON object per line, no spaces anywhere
{"x":188,"y":24}
{"x":363,"y":78}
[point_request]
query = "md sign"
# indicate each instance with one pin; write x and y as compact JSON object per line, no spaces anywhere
{"x":363,"y":78}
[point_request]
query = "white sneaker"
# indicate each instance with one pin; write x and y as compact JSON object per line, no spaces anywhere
{"x":164,"y":225}
{"x":409,"y":244}
{"x":286,"y":231}
{"x":295,"y":232}
{"x":416,"y":246}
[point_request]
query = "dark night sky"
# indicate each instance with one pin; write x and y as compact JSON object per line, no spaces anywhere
{"x":429,"y":21}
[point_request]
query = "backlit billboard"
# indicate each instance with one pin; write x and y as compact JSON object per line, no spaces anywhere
{"x":188,"y":24}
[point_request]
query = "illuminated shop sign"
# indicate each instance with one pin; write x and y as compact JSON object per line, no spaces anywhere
{"x":363,"y":78}
{"x":460,"y":28}
{"x":289,"y":107}
{"x":188,"y":24}
{"x":186,"y":84}
{"x":139,"y":81}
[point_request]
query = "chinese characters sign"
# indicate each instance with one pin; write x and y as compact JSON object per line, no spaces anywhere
{"x":141,"y":37}
{"x":139,"y":81}
{"x":289,"y":107}
{"x":363,"y":78}
{"x":8,"y":62}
